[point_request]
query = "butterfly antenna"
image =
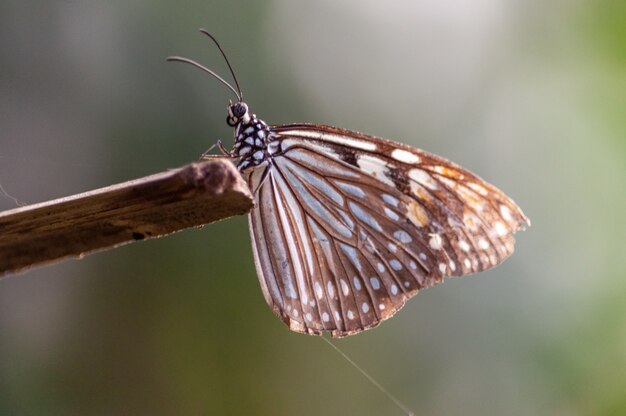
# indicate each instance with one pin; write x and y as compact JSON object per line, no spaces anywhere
{"x":226,"y":59}
{"x":371,"y":379}
{"x":205,"y":69}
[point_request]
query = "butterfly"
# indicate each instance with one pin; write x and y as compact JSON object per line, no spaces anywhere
{"x":347,"y":227}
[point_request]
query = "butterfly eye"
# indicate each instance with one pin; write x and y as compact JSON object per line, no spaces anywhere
{"x":235,"y":113}
{"x":239,"y":109}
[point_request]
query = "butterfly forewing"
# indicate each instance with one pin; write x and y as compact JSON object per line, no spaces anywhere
{"x":450,"y":202}
{"x":347,"y":227}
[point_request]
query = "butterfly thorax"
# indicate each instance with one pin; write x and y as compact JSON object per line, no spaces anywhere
{"x":251,"y":136}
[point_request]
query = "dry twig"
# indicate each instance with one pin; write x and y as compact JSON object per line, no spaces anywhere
{"x":153,"y":206}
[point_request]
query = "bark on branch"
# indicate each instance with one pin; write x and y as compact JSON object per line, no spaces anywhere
{"x":150,"y":207}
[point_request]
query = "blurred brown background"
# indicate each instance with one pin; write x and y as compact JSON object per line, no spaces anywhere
{"x":529,"y":95}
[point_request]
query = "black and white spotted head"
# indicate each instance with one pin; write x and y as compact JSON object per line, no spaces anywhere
{"x":251,"y":136}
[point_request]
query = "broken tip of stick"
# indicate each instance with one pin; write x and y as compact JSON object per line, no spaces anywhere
{"x":150,"y":207}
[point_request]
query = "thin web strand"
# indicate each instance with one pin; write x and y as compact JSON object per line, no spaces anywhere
{"x":391,"y":397}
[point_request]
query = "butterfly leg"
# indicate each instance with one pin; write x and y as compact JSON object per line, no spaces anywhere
{"x":221,"y":147}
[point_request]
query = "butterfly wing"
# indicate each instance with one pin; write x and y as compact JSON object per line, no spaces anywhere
{"x":347,"y":227}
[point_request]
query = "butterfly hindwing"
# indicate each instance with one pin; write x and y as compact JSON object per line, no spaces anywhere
{"x":324,"y":261}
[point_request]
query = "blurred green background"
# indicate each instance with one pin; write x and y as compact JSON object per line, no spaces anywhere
{"x":530,"y":95}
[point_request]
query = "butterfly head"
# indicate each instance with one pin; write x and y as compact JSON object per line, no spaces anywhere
{"x":237,"y":113}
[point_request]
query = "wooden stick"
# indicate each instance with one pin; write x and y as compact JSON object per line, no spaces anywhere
{"x":150,"y":207}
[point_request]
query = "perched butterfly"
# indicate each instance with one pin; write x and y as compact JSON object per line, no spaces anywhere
{"x":347,"y":227}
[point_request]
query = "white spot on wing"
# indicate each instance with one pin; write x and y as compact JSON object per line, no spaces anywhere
{"x":273,"y":147}
{"x":505,"y":212}
{"x":402,"y":236}
{"x":320,"y":184}
{"x":291,"y":292}
{"x":478,"y":188}
{"x":334,"y":138}
{"x":423,"y":178}
{"x":392,"y":214}
{"x":500,"y":229}
{"x":435,"y":242}
{"x":463,"y":245}
{"x":365,"y":307}
{"x":361,"y":214}
{"x":403,"y":156}
{"x":394,"y":289}
{"x":306,"y":157}
{"x":357,"y":283}
{"x":392,"y":247}
{"x":350,"y":315}
{"x":346,"y":218}
{"x":351,"y":189}
{"x":375,"y":167}
{"x":375,"y":283}
{"x":352,"y":254}
{"x":344,"y":287}
{"x":331,"y":289}
{"x":395,"y":264}
{"x":318,"y":290}
{"x":325,"y":317}
{"x":391,"y":200}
